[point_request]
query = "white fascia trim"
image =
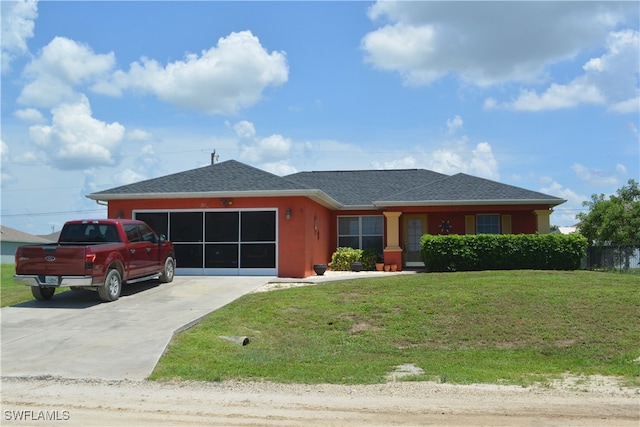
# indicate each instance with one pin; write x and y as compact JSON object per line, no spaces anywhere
{"x":315,"y":195}
{"x":551,"y":202}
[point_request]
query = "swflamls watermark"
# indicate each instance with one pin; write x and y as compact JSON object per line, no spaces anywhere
{"x":44,"y":415}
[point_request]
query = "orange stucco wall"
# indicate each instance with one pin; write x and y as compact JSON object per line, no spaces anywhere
{"x":309,"y":236}
{"x":303,"y":239}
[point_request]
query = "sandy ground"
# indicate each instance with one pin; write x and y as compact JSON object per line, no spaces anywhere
{"x":46,"y":401}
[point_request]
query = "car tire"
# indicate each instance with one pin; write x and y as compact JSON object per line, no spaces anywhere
{"x":42,"y":293}
{"x":112,"y":287}
{"x":168,"y":271}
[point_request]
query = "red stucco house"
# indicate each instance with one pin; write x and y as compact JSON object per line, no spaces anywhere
{"x":233,"y":219}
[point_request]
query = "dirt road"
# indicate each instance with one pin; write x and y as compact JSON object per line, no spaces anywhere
{"x":52,"y":401}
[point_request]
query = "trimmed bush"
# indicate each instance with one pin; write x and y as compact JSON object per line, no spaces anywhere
{"x":503,"y":252}
{"x":343,"y":257}
{"x":369,"y":258}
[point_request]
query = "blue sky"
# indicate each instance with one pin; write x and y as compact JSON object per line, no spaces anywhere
{"x":541,"y":95}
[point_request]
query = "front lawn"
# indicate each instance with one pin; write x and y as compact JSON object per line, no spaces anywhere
{"x":507,"y":327}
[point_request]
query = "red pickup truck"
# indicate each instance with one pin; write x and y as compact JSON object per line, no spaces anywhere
{"x":99,"y":255}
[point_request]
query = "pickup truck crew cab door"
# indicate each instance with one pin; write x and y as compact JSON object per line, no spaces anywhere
{"x":138,"y":255}
{"x":152,"y":248}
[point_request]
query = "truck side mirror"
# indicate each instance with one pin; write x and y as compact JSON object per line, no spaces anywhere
{"x":162,"y":238}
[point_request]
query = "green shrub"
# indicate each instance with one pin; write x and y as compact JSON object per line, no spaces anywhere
{"x":369,"y":258}
{"x":503,"y":252}
{"x":343,"y":257}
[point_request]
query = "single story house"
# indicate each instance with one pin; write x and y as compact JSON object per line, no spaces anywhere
{"x":10,"y":239}
{"x":230,"y":218}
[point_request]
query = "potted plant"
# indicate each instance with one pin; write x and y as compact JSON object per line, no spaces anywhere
{"x":356,"y":266}
{"x":320,"y":269}
{"x":379,"y":263}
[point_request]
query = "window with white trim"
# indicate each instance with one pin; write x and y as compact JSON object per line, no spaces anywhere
{"x":361,"y":232}
{"x":488,"y":224}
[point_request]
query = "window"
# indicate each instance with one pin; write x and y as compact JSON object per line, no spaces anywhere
{"x":488,"y":224}
{"x":361,"y":232}
{"x":132,"y":232}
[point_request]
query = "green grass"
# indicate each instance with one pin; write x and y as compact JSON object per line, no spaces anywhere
{"x":515,"y":327}
{"x":10,"y":293}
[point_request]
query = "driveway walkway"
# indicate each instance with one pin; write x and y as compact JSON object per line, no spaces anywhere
{"x":73,"y":335}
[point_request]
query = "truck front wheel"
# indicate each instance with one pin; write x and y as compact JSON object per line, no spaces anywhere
{"x":42,"y":293}
{"x":112,"y":287}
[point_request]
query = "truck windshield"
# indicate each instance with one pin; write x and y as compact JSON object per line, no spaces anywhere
{"x":89,"y":233}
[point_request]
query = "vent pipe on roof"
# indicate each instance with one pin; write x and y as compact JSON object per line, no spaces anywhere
{"x":214,"y":157}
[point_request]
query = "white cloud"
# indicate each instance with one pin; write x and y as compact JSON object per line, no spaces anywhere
{"x":485,"y":43}
{"x":245,"y":129}
{"x":30,"y":115}
{"x":267,"y":149}
{"x":127,"y":176}
{"x":457,"y":157}
{"x":62,"y":66}
{"x":611,"y":79}
{"x":16,"y":25}
{"x":454,"y":124}
{"x":221,"y":80}
{"x":564,"y":214}
{"x":595,"y":176}
{"x":75,"y":140}
{"x":138,"y":135}
{"x":559,"y":96}
{"x":5,"y":176}
{"x":282,"y":167}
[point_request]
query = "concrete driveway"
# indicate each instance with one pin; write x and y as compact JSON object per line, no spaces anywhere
{"x":74,"y":335}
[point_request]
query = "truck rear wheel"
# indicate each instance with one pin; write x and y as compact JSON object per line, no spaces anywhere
{"x":168,"y":271}
{"x":112,"y":287}
{"x":42,"y":293}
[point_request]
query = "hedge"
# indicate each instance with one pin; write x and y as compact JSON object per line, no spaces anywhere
{"x":503,"y":252}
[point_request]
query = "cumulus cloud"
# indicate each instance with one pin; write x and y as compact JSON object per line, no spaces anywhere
{"x":457,"y":157}
{"x":220,"y":80}
{"x":30,"y":115}
{"x":483,"y":42}
{"x":16,"y":26}
{"x":598,"y":177}
{"x":77,"y":141}
{"x":565,"y":214}
{"x":491,"y":43}
{"x":610,"y":79}
{"x":454,"y":124}
{"x":59,"y":69}
{"x":4,"y":154}
{"x":138,"y":135}
{"x":266,"y":149}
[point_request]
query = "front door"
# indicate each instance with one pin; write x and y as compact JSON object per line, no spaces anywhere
{"x":414,"y":226}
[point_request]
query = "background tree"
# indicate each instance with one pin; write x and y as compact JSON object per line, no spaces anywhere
{"x":614,"y":221}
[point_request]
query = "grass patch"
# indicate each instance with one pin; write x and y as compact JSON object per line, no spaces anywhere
{"x":514,"y":327}
{"x":10,"y":292}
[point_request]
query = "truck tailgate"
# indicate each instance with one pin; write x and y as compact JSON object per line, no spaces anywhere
{"x":51,"y":260}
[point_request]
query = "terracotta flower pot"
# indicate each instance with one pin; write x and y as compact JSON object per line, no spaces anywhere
{"x":387,"y":267}
{"x":379,"y":266}
{"x":394,"y":267}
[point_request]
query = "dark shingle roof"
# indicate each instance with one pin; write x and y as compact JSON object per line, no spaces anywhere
{"x":361,"y":188}
{"x":226,"y":176}
{"x":462,"y":187}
